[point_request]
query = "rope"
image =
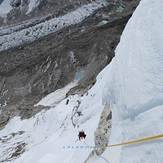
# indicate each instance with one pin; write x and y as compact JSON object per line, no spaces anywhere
{"x":138,"y":141}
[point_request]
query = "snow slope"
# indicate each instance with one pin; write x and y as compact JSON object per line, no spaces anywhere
{"x":52,"y":136}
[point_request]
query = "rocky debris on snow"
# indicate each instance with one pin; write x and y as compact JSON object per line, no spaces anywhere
{"x":14,"y":152}
{"x":82,"y":87}
{"x":102,"y":133}
{"x":75,"y":113}
{"x":4,"y":118}
{"x":33,"y":33}
{"x":12,"y":146}
{"x":5,"y":139}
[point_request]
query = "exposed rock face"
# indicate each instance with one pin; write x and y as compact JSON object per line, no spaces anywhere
{"x":16,"y":149}
{"x":103,"y":131}
{"x":31,"y":71}
{"x":15,"y":3}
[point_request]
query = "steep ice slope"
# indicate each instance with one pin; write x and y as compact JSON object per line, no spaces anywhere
{"x":135,"y":88}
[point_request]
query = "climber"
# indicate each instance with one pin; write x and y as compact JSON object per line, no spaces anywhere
{"x":79,"y":113}
{"x":67,"y":101}
{"x":82,"y":135}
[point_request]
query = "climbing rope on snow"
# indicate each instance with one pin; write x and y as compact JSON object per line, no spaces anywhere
{"x":132,"y":142}
{"x":138,"y":141}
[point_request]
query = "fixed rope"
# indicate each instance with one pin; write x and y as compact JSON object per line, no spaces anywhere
{"x":138,"y":141}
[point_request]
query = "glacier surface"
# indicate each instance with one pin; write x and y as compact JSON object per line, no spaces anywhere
{"x":37,"y":31}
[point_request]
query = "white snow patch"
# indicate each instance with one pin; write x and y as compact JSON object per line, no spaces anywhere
{"x":32,"y":5}
{"x":5,"y":8}
{"x":57,"y":96}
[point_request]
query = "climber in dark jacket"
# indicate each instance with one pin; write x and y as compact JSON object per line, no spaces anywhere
{"x":67,"y":101}
{"x":82,"y":135}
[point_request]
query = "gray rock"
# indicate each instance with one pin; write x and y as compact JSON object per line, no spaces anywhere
{"x":15,"y":3}
{"x":103,"y":131}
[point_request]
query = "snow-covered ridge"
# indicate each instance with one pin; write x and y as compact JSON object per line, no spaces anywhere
{"x":33,"y":33}
{"x":48,"y":135}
